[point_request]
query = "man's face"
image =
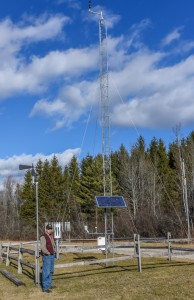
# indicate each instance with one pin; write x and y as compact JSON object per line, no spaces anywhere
{"x":49,"y":230}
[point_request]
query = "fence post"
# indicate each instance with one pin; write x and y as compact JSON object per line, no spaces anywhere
{"x":1,"y":251}
{"x":57,"y":248}
{"x":37,"y":266}
{"x":137,"y":250}
{"x":20,"y":258}
{"x":169,"y":246}
{"x":8,"y":252}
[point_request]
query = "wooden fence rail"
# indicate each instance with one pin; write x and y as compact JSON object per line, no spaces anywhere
{"x":15,"y":251}
{"x":11,"y":277}
{"x":6,"y":252}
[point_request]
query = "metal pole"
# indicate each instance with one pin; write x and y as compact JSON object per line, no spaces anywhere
{"x":169,"y":247}
{"x":185,"y":198}
{"x":105,"y":116}
{"x":37,"y":239}
{"x":104,"y":100}
{"x":1,"y":251}
{"x":112,"y":235}
{"x":137,"y":250}
{"x":37,"y":225}
{"x":57,"y":248}
{"x":139,"y":253}
{"x":105,"y":229}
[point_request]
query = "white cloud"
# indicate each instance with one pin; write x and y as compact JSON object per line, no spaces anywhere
{"x":172,"y":36}
{"x":73,"y":102}
{"x":155,"y":97}
{"x":75,"y":4}
{"x":15,"y":73}
{"x":10,"y":166}
{"x":72,"y":62}
{"x":40,"y":29}
{"x":136,"y":32}
{"x":149,"y":87}
{"x":111,"y":19}
{"x":184,"y":47}
{"x":18,"y":76}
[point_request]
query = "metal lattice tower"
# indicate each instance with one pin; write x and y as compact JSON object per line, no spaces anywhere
{"x":104,"y":99}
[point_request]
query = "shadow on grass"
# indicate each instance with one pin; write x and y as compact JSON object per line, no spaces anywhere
{"x":25,"y":271}
{"x":86,"y":273}
{"x":118,"y":269}
{"x":85,"y":258}
{"x":167,"y":265}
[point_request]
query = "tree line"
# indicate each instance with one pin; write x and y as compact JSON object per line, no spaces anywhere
{"x":149,"y":178}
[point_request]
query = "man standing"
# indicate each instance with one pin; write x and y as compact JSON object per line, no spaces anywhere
{"x":48,"y":249}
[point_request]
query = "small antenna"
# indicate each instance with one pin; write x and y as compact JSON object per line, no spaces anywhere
{"x":89,"y":5}
{"x":91,"y":11}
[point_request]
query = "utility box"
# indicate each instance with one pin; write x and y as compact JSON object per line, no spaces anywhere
{"x":57,"y":230}
{"x":101,"y":242}
{"x":66,"y":227}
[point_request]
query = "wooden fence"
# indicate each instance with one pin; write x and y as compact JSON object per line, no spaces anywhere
{"x":14,"y":251}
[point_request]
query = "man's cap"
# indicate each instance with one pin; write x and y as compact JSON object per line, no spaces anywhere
{"x":49,"y":226}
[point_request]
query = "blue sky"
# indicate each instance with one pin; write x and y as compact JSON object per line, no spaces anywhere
{"x":49,"y":76}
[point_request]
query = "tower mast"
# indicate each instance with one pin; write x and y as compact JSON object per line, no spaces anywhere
{"x":104,"y":101}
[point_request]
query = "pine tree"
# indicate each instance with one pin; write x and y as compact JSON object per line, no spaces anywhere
{"x":72,"y":206}
{"x":120,"y":162}
{"x":57,"y":188}
{"x":28,"y":209}
{"x":153,"y":151}
{"x":44,"y":189}
{"x":67,"y":194}
{"x":87,"y":192}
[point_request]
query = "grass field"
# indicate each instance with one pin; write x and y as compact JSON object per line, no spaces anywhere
{"x":159,"y":280}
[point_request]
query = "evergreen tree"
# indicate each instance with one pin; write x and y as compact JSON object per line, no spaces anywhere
{"x":153,"y":150}
{"x":165,"y":177}
{"x":44,"y":189}
{"x":57,"y":188}
{"x":163,"y":161}
{"x":120,"y":162}
{"x":67,"y":190}
{"x":72,"y":180}
{"x":28,"y":209}
{"x":87,"y":187}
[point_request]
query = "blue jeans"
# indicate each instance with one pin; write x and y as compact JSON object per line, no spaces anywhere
{"x":47,"y":271}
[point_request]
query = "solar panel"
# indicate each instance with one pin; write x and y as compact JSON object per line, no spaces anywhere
{"x":110,"y":201}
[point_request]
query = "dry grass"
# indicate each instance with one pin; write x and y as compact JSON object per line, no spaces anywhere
{"x":159,"y":280}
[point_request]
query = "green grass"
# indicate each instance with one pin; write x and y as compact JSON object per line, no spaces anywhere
{"x":159,"y":280}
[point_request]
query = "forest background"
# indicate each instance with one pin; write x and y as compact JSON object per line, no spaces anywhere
{"x":150,"y":180}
